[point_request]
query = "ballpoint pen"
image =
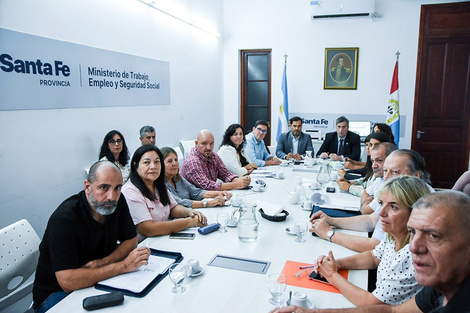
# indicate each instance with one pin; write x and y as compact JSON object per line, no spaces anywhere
{"x":308,"y":266}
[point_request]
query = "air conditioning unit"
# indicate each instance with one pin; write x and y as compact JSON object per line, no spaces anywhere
{"x":324,"y":9}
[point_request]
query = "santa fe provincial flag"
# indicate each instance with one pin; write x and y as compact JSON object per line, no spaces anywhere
{"x":393,"y":112}
{"x":282,"y":124}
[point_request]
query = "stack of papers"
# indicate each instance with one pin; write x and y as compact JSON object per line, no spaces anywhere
{"x":270,"y":208}
{"x":349,"y":205}
{"x":138,"y":280}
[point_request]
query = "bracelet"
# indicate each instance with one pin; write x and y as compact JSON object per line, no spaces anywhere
{"x":186,"y":212}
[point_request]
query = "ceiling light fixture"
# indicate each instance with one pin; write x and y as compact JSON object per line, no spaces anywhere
{"x":153,"y":5}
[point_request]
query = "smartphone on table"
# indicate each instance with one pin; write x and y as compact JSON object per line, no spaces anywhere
{"x":187,"y":236}
{"x":317,"y":277}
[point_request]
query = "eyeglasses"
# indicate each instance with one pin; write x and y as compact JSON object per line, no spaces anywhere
{"x":261,"y":130}
{"x":114,"y":142}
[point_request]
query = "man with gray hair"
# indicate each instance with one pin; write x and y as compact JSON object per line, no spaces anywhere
{"x":341,"y":144}
{"x":148,"y":135}
{"x":399,"y":162}
{"x":80,"y":244}
{"x":439,"y":231}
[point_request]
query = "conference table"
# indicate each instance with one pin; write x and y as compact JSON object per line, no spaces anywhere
{"x":227,"y":290}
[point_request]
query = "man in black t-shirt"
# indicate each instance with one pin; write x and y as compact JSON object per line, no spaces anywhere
{"x":80,"y":244}
{"x":440,"y":247}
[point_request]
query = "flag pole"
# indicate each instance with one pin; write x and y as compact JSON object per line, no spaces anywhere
{"x":398,"y":54}
{"x":285,"y":58}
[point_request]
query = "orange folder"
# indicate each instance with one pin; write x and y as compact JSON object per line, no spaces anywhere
{"x":291,"y":267}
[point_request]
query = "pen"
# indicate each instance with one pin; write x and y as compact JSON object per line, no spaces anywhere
{"x":309,"y":266}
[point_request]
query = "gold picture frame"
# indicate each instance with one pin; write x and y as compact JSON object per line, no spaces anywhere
{"x":341,"y":68}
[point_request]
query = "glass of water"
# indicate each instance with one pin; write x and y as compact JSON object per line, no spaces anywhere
{"x":178,"y":273}
{"x":301,"y":228}
{"x":276,"y":285}
{"x":222,"y":219}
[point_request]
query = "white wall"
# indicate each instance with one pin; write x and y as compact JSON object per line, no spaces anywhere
{"x":43,"y":153}
{"x":285,"y":27}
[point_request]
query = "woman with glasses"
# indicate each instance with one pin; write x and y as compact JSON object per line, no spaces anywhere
{"x":152,"y":207}
{"x":183,"y":191}
{"x":232,"y":151}
{"x":114,"y":149}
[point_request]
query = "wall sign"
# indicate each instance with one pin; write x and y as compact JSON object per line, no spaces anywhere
{"x":43,"y":73}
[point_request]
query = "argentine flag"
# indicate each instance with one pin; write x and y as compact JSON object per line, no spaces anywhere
{"x":283,"y":114}
{"x":393,"y":112}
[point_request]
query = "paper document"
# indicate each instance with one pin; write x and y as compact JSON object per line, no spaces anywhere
{"x":138,"y":280}
{"x":343,"y":204}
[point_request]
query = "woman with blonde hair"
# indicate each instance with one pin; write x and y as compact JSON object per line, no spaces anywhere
{"x":392,"y":258}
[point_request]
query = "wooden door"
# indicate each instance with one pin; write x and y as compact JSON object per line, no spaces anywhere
{"x":442,"y":98}
{"x":255,"y":89}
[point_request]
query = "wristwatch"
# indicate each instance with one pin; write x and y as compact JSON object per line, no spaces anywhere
{"x":204,"y":203}
{"x":330,"y":234}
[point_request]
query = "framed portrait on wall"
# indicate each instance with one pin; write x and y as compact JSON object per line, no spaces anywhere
{"x":341,"y":68}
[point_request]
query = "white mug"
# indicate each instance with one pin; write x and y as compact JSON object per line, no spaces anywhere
{"x":256,"y":187}
{"x":307,"y":204}
{"x":193,"y":266}
{"x":299,"y":299}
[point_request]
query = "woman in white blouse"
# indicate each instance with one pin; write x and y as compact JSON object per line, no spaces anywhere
{"x":150,"y":203}
{"x":392,"y":258}
{"x":232,"y":151}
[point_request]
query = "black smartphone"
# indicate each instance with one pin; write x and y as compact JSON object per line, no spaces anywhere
{"x":330,"y":189}
{"x":187,"y":236}
{"x":247,"y":187}
{"x":315,"y":276}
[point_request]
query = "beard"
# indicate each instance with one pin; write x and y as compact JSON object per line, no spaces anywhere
{"x":103,"y":208}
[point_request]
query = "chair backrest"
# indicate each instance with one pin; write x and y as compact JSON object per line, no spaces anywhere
{"x":179,"y":154}
{"x":19,"y":257}
{"x":186,"y":146}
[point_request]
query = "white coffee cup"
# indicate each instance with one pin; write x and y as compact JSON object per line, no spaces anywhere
{"x":193,"y":266}
{"x":307,"y":204}
{"x":256,"y":187}
{"x":315,"y":186}
{"x":299,"y":299}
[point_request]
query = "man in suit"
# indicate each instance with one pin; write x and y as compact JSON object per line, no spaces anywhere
{"x":341,"y":144}
{"x":294,"y":143}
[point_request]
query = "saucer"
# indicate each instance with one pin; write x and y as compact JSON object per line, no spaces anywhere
{"x":306,"y":209}
{"x":275,"y":177}
{"x":309,"y":304}
{"x":198,"y":273}
{"x":290,"y":232}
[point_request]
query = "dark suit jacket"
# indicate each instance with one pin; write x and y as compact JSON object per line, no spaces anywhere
{"x":352,"y":145}
{"x":284,"y":146}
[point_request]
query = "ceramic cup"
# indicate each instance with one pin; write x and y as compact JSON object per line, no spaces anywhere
{"x":193,"y":266}
{"x":256,"y":187}
{"x":299,"y":299}
{"x":307,"y":204}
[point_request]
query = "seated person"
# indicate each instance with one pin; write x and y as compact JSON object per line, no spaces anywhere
{"x":255,"y":147}
{"x":80,"y":245}
{"x":382,"y":127}
{"x":294,"y":143}
{"x":356,"y":166}
{"x":232,"y":151}
{"x":147,"y":135}
{"x":203,"y":167}
{"x":341,"y":144}
{"x":439,"y":236}
{"x":114,"y":149}
{"x":392,"y":257}
{"x":149,"y":201}
{"x":183,"y":191}
{"x":399,"y":162}
{"x":463,"y":183}
{"x":357,"y":186}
